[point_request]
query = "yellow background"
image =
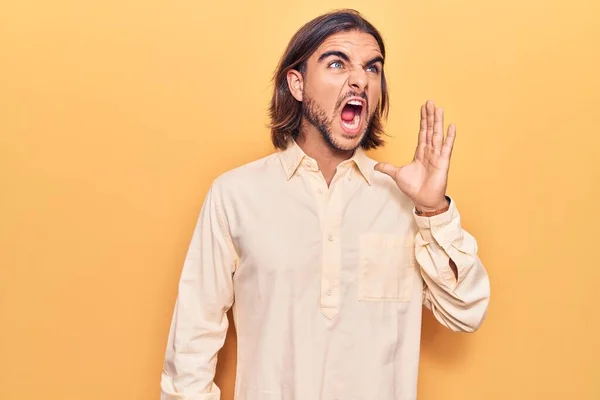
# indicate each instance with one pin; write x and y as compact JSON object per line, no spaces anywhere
{"x":115,"y":116}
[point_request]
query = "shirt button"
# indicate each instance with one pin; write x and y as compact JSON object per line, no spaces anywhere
{"x":319,"y":190}
{"x":330,"y":237}
{"x":329,"y":292}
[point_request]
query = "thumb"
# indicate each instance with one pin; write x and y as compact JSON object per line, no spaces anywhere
{"x":387,"y":169}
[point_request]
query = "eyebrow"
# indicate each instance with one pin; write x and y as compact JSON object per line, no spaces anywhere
{"x":345,"y":57}
{"x":337,"y":53}
{"x":375,"y":60}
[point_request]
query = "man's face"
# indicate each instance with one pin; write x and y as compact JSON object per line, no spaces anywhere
{"x":342,"y":87}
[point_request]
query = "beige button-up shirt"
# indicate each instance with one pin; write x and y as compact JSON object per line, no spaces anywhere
{"x":329,"y":284}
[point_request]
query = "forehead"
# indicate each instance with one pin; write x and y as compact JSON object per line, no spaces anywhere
{"x":353,"y":43}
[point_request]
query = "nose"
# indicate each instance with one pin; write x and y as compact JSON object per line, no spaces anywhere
{"x":358,"y":79}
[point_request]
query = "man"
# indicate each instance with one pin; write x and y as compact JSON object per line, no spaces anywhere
{"x":328,"y":255}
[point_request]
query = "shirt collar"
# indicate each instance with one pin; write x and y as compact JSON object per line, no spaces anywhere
{"x":291,"y":158}
{"x":364,"y":164}
{"x":293,"y":155}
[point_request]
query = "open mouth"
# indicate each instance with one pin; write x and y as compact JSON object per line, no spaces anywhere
{"x":352,"y":116}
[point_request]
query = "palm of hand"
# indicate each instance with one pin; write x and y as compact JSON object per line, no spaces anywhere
{"x":425,"y":179}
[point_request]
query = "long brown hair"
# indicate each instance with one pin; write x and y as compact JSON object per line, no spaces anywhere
{"x":285,"y":111}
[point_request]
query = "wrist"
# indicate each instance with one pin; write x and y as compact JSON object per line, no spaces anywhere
{"x":438,"y":208}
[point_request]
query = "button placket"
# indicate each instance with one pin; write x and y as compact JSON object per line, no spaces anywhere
{"x":331,"y":268}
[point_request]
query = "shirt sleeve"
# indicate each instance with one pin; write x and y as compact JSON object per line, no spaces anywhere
{"x":460,"y":303}
{"x":205,"y":294}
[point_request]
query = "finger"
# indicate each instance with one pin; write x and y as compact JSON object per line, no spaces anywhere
{"x":430,"y":111}
{"x":387,"y":169}
{"x":422,"y":140}
{"x":449,"y":143}
{"x":438,"y":130}
{"x":423,"y":126}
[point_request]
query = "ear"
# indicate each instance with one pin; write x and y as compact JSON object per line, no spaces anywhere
{"x":295,"y":83}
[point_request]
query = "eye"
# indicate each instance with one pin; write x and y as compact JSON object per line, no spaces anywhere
{"x":336,"y":65}
{"x":373,"y":68}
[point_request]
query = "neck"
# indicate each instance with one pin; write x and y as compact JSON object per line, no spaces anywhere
{"x":311,"y":141}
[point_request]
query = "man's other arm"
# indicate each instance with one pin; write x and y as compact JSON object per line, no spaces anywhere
{"x":205,"y":294}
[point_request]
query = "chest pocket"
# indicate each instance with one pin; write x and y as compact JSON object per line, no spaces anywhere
{"x":387,"y":267}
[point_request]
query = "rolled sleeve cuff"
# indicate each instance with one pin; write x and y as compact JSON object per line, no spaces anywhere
{"x":441,"y":230}
{"x":208,"y":396}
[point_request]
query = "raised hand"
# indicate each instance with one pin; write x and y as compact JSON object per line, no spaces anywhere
{"x":425,"y":179}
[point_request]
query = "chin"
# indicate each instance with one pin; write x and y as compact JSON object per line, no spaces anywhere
{"x":345,"y":142}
